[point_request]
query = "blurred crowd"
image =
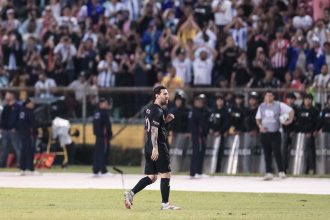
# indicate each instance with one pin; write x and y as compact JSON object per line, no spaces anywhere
{"x":177,"y":43}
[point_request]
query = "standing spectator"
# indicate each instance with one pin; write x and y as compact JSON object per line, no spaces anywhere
{"x":8,"y":128}
{"x":203,"y":66}
{"x":44,"y":86}
{"x":11,"y":23}
{"x":107,"y":69}
{"x":302,"y":20}
{"x":320,"y":31}
{"x":182,"y":63}
{"x":12,"y":53}
{"x":79,"y":86}
{"x":86,"y":57}
{"x":66,"y":52}
{"x":260,"y":64}
{"x":241,"y":75}
{"x":297,"y":56}
{"x":112,"y":7}
{"x":206,"y":37}
{"x":239,"y":32}
{"x":321,"y":81}
{"x":229,"y":53}
{"x":268,"y":121}
{"x":222,"y":10}
{"x":315,"y":56}
{"x":327,"y":53}
{"x":278,"y":56}
{"x":202,"y":12}
{"x":35,"y":67}
{"x":150,"y":41}
{"x":171,"y":81}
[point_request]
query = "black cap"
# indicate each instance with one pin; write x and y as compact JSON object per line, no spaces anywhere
{"x":291,"y":95}
{"x":239,"y":96}
{"x":102,"y":99}
{"x":308,"y":96}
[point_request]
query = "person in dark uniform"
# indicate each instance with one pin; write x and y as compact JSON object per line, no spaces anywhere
{"x":156,"y":150}
{"x":236,"y":115}
{"x":180,"y":112}
{"x":199,"y":128}
{"x":324,"y":121}
{"x":306,"y":123}
{"x":27,"y":133}
{"x":250,"y":123}
{"x":219,"y":125}
{"x":103,"y":134}
{"x":288,"y":131}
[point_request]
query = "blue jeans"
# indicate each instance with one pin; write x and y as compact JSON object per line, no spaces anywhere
{"x":9,"y":138}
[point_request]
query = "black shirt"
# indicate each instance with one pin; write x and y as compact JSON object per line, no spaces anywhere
{"x":180,"y":124}
{"x":324,"y":122}
{"x":102,"y":124}
{"x":199,"y":121}
{"x":154,"y":117}
{"x":291,"y":127}
{"x":236,"y":117}
{"x":307,"y":120}
{"x":250,"y":120}
{"x":219,"y":120}
{"x":9,"y":117}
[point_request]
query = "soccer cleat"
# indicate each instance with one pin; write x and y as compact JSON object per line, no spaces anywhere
{"x":128,"y":199}
{"x":168,"y":206}
{"x":281,"y":175}
{"x":268,"y":176}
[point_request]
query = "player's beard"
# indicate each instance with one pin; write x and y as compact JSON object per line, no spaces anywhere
{"x":164,"y":102}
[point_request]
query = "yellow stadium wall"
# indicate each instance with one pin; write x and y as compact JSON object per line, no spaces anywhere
{"x":131,"y":137}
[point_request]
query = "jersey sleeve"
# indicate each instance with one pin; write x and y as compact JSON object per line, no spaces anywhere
{"x":285,"y":109}
{"x":155,"y":117}
{"x":258,"y":115}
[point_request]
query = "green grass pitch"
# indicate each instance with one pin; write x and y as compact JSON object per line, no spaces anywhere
{"x":91,"y":204}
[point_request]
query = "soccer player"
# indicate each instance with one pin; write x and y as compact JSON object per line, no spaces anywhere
{"x":156,"y":150}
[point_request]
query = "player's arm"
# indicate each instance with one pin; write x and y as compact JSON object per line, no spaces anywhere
{"x":154,"y":125}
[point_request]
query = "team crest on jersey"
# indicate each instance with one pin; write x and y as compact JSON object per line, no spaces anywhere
{"x":97,"y":115}
{"x":148,"y":111}
{"x":22,"y":115}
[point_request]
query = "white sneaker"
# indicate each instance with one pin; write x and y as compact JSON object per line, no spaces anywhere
{"x":167,"y":206}
{"x":22,"y":173}
{"x":107,"y":174}
{"x":268,"y":176}
{"x":128,"y":199}
{"x":281,"y":175}
{"x":200,"y":176}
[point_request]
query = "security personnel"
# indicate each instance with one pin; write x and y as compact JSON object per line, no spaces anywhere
{"x":180,"y":112}
{"x":250,"y":124}
{"x":103,"y":134}
{"x":27,"y":133}
{"x":199,"y":128}
{"x":324,"y":122}
{"x":236,"y":115}
{"x":288,"y":131}
{"x":219,"y":124}
{"x":306,"y":123}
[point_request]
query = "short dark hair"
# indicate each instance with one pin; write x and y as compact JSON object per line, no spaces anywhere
{"x":157,"y":91}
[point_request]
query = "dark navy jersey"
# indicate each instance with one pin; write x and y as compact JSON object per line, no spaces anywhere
{"x":26,"y":122}
{"x":154,"y":117}
{"x":102,"y":124}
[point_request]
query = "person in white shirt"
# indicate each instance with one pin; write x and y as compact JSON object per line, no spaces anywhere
{"x":222,"y":12}
{"x":321,"y":81}
{"x":206,"y":37}
{"x":79,"y":85}
{"x":181,"y":63}
{"x":65,"y":49}
{"x":302,"y":20}
{"x":107,"y":69}
{"x":43,"y":87}
{"x":112,"y":7}
{"x":203,"y":66}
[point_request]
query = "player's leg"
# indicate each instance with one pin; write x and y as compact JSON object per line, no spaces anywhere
{"x":150,"y":170}
{"x":163,"y":166}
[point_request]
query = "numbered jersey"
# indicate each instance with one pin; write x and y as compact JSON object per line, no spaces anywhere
{"x":154,"y":117}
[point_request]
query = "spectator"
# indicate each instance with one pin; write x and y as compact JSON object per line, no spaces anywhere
{"x":205,"y":37}
{"x":181,"y":63}
{"x":44,"y":86}
{"x":315,"y":56}
{"x":229,"y":53}
{"x":112,"y":7}
{"x":12,"y":52}
{"x":35,"y":67}
{"x":30,"y":27}
{"x":238,"y":31}
{"x":150,"y":41}
{"x":107,"y":69}
{"x":269,"y":81}
{"x":86,"y":57}
{"x":297,"y":56}
{"x":11,"y":23}
{"x":277,"y":54}
{"x":302,"y":20}
{"x":203,"y":65}
{"x":320,"y":31}
{"x":321,"y":81}
{"x":242,"y":74}
{"x":171,"y":81}
{"x":4,"y":77}
{"x":327,"y":53}
{"x":222,"y":10}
